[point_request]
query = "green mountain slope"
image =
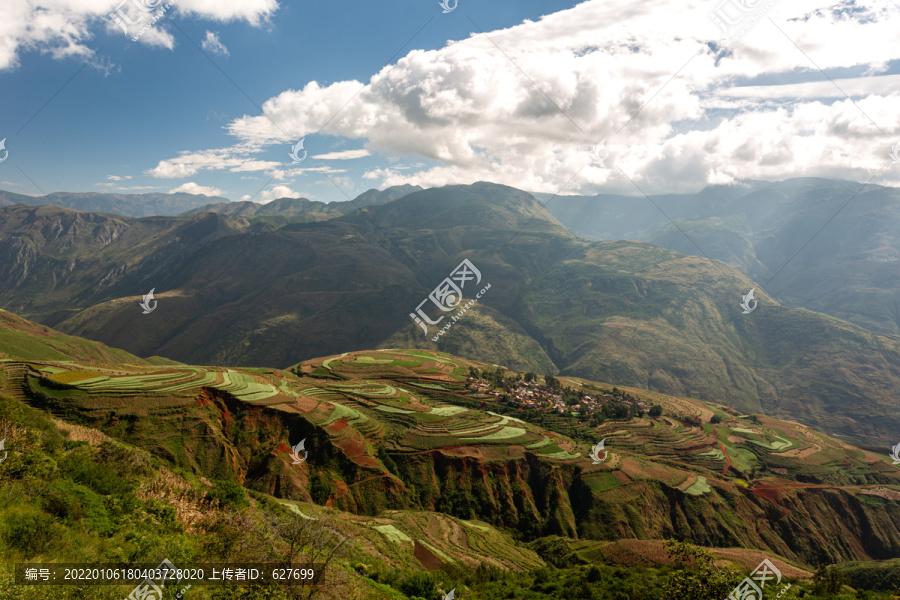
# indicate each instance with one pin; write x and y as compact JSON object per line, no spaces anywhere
{"x":849,"y":270}
{"x":625,"y":312}
{"x":24,"y":340}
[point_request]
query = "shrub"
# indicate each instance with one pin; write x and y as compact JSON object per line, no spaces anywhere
{"x":418,"y":584}
{"x":827,"y":580}
{"x":99,"y":477}
{"x":63,"y":506}
{"x":228,"y":493}
{"x":30,"y":531}
{"x":165,"y":514}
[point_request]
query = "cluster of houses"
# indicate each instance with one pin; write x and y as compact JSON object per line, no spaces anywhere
{"x":533,"y":395}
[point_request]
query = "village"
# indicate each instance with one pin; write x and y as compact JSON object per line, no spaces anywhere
{"x":528,"y":393}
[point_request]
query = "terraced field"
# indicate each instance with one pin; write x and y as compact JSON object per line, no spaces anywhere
{"x":423,"y":394}
{"x":415,"y":539}
{"x":397,"y":414}
{"x":370,"y":394}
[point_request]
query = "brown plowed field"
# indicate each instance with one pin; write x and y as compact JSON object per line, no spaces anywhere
{"x":426,"y":557}
{"x":653,"y":552}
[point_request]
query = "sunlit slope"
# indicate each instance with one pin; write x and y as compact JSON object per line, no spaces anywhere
{"x":23,"y":340}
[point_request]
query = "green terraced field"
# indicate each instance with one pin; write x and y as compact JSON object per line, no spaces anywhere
{"x":504,"y":434}
{"x":392,"y":533}
{"x":601,"y":482}
{"x":778,"y":446}
{"x":699,"y":487}
{"x":448,"y":411}
{"x":562,"y":455}
{"x":392,"y":409}
{"x":342,"y":412}
{"x":715,"y":453}
{"x":539,"y":444}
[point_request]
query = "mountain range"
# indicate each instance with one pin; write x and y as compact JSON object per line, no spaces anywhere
{"x":237,"y":290}
{"x":295,"y":207}
{"x":826,"y":245}
{"x":129,"y":205}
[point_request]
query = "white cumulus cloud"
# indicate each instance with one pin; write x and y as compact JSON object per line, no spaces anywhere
{"x":680,"y":105}
{"x":274,"y":193}
{"x":193,"y":188}
{"x":343,"y":155}
{"x":211,"y":43}
{"x":65,"y":28}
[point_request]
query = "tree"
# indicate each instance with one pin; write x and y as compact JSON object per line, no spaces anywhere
{"x":285,"y":540}
{"x":716,"y":419}
{"x":827,"y":580}
{"x":656,"y":410}
{"x":697,"y":577}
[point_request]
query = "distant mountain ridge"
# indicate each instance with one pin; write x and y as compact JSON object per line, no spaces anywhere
{"x":827,"y":245}
{"x":292,"y":207}
{"x":126,"y":205}
{"x":161,"y":204}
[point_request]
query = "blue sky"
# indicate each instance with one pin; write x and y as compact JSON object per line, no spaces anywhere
{"x":147,"y":103}
{"x":524,"y":105}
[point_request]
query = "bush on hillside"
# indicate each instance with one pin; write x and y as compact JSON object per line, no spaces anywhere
{"x":30,"y":530}
{"x":419,"y":584}
{"x":229,"y":494}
